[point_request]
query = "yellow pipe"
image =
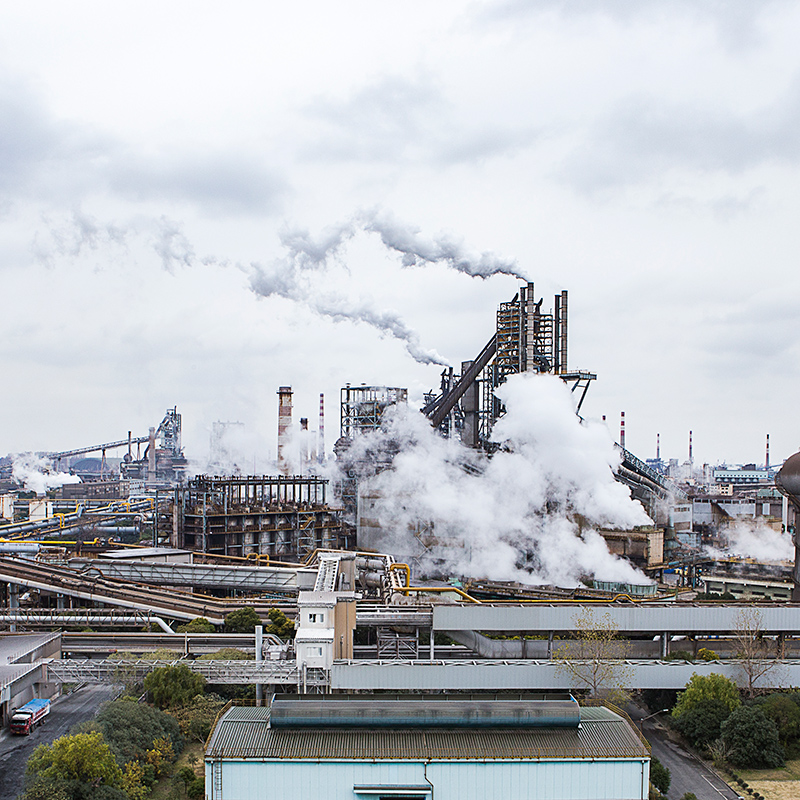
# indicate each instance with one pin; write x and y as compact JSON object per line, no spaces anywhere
{"x":403,"y":568}
{"x":438,"y":590}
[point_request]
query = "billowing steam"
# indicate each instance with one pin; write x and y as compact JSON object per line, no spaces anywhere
{"x":753,"y":538}
{"x":530,"y":513}
{"x":34,"y":474}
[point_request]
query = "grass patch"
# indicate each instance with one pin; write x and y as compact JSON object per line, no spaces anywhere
{"x":791,"y":772}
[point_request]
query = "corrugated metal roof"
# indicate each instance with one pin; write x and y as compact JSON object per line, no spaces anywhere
{"x":245,"y":733}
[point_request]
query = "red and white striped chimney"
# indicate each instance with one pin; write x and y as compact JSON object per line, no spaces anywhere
{"x":766,"y":459}
{"x":321,"y":441}
{"x":691,"y":461}
{"x":284,"y":423}
{"x":622,"y":429}
{"x":658,"y":446}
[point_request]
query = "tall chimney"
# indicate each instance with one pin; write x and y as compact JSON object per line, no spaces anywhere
{"x":690,"y":449}
{"x":658,"y":446}
{"x":151,"y":456}
{"x":766,"y":459}
{"x":321,"y":442}
{"x":284,"y":423}
{"x":622,"y":429}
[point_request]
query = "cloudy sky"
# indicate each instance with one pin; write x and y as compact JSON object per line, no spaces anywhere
{"x":171,"y":175}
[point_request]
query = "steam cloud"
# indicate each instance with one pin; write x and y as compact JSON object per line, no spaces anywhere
{"x":33,"y":473}
{"x":530,"y":513}
{"x":755,"y":539}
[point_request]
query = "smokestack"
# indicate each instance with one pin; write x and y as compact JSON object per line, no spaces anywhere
{"x":658,"y":446}
{"x":622,"y":429}
{"x":151,"y":456}
{"x":690,"y":449}
{"x":766,"y":458}
{"x":321,"y":442}
{"x":284,"y":423}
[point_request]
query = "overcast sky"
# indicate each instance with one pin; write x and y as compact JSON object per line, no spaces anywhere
{"x":163,"y":166}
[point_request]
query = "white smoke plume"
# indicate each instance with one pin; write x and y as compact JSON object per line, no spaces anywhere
{"x":755,"y":539}
{"x":297,"y":275}
{"x":34,"y":473}
{"x":530,"y":513}
{"x":303,"y":275}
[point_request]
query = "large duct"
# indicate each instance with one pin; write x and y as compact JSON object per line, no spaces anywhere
{"x":788,"y":481}
{"x":284,"y":423}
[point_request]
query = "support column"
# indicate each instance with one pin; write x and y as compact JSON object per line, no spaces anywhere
{"x":259,"y":658}
{"x":13,"y":602}
{"x":550,"y":644}
{"x":665,"y":637}
{"x":432,"y":655}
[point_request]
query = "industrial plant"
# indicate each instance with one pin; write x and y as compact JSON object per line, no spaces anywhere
{"x":448,"y":549}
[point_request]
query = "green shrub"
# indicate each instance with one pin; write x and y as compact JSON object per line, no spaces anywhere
{"x":752,"y":739}
{"x":173,"y":686}
{"x":659,"y":776}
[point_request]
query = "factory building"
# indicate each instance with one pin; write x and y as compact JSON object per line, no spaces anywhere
{"x":283,"y":517}
{"x":447,"y":747}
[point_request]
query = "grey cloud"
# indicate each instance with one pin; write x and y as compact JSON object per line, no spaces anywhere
{"x":396,"y":120}
{"x":219,"y":183}
{"x":645,"y":137}
{"x":736,"y":21}
{"x":48,"y":159}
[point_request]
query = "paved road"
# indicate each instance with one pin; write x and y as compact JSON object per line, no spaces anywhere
{"x":687,"y":772}
{"x":65,"y":712}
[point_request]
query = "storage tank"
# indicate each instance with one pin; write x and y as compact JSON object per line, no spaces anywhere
{"x":788,"y":482}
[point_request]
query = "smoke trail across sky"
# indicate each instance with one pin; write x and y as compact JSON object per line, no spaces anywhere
{"x":304,"y":274}
{"x":530,"y":513}
{"x":307,"y":260}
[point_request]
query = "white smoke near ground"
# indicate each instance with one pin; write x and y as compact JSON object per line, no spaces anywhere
{"x":754,"y":539}
{"x":529,"y":513}
{"x":35,"y":474}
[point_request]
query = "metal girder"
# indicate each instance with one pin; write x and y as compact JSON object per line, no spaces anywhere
{"x":529,"y":675}
{"x":257,"y":579}
{"x":124,"y":670}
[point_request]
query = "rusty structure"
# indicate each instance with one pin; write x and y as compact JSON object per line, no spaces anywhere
{"x":526,"y":339}
{"x":282,"y":517}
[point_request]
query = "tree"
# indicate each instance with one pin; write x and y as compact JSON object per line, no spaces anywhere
{"x":133,"y":781}
{"x":243,"y":620}
{"x":784,"y":712}
{"x":752,"y":739}
{"x":74,"y":763}
{"x":197,"y":625}
{"x":160,"y":756}
{"x":173,"y":686}
{"x":702,"y":722}
{"x":130,"y":729}
{"x":659,"y":776}
{"x":752,"y":649}
{"x":707,"y":687}
{"x":280,"y":624}
{"x":595,"y":658}
{"x":197,"y":716}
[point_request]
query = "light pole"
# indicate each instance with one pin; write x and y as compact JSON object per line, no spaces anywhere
{"x":641,"y":721}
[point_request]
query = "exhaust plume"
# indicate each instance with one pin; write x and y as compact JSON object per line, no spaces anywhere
{"x":530,"y":513}
{"x":33,"y":473}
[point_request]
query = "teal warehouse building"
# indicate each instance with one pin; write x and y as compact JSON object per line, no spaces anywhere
{"x":418,"y":747}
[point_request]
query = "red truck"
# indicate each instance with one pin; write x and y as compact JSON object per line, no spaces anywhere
{"x":24,"y":719}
